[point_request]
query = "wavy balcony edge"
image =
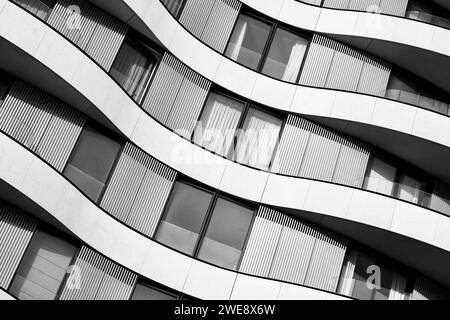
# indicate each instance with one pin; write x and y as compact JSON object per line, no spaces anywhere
{"x":125,"y":132}
{"x":30,"y":176}
{"x":140,"y":128}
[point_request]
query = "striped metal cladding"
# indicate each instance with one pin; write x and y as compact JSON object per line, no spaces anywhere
{"x":138,"y":190}
{"x":211,"y":21}
{"x":331,"y":64}
{"x":176,"y":95}
{"x":16,"y":231}
{"x":101,"y":279}
{"x":40,"y":122}
{"x":425,"y":289}
{"x":96,"y":32}
{"x":288,"y":249}
{"x":312,"y":151}
{"x":397,"y":7}
{"x":195,"y":15}
{"x":263,"y":241}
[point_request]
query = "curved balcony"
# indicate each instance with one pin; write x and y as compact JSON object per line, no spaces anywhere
{"x":48,"y":195}
{"x":132,"y":122}
{"x":262,"y":187}
{"x":409,"y":14}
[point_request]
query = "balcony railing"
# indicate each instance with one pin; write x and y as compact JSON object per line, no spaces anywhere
{"x":429,"y":18}
{"x":408,"y":193}
{"x":418,"y":100}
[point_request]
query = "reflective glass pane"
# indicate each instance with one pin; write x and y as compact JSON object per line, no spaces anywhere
{"x":133,"y":67}
{"x":285,"y":56}
{"x":184,"y":217}
{"x":147,"y":292}
{"x":258,"y":139}
{"x":381,"y":177}
{"x":226,"y":234}
{"x":216,"y":128}
{"x":248,"y":41}
{"x":43,"y":267}
{"x":91,"y":161}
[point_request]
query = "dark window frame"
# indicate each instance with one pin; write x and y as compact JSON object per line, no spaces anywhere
{"x":381,"y":260}
{"x":247,"y":105}
{"x":56,"y":232}
{"x":205,"y":223}
{"x":274,"y":25}
{"x":108,"y":133}
{"x":136,"y":39}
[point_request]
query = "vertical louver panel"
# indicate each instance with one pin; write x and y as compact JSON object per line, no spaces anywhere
{"x":101,"y":279}
{"x":374,"y":77}
{"x":331,"y":64}
{"x":138,"y":190}
{"x":211,"y":21}
{"x":220,"y":23}
{"x":294,"y":252}
{"x":425,"y":289}
{"x":326,"y":261}
{"x":352,"y":162}
{"x":337,"y":4}
{"x":320,"y":155}
{"x":16,"y":230}
{"x":106,"y":40}
{"x":25,"y":113}
{"x":195,"y":15}
{"x":292,"y":146}
{"x":92,"y":29}
{"x":364,"y":5}
{"x":188,"y":104}
{"x":345,"y":69}
{"x":164,"y":87}
{"x":176,"y":95}
{"x":397,"y":7}
{"x":60,"y":136}
{"x":41,"y":123}
{"x":317,"y":62}
{"x":311,"y":151}
{"x":288,"y":249}
{"x":263,"y":242}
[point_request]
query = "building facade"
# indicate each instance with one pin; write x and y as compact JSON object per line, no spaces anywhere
{"x":224,"y":149}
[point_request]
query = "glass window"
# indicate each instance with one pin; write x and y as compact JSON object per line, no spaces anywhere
{"x":410,"y":189}
{"x":381,"y":177}
{"x":181,"y":225}
{"x":214,"y":234}
{"x":365,"y":278}
{"x":40,"y":8}
{"x":173,"y":6}
{"x":247,"y":41}
{"x":226,"y":234}
{"x":91,"y":161}
{"x":216,"y":129}
{"x":285,"y":56}
{"x":43,"y":267}
{"x":258,"y":139}
{"x":152,"y":292}
{"x":133,"y":67}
